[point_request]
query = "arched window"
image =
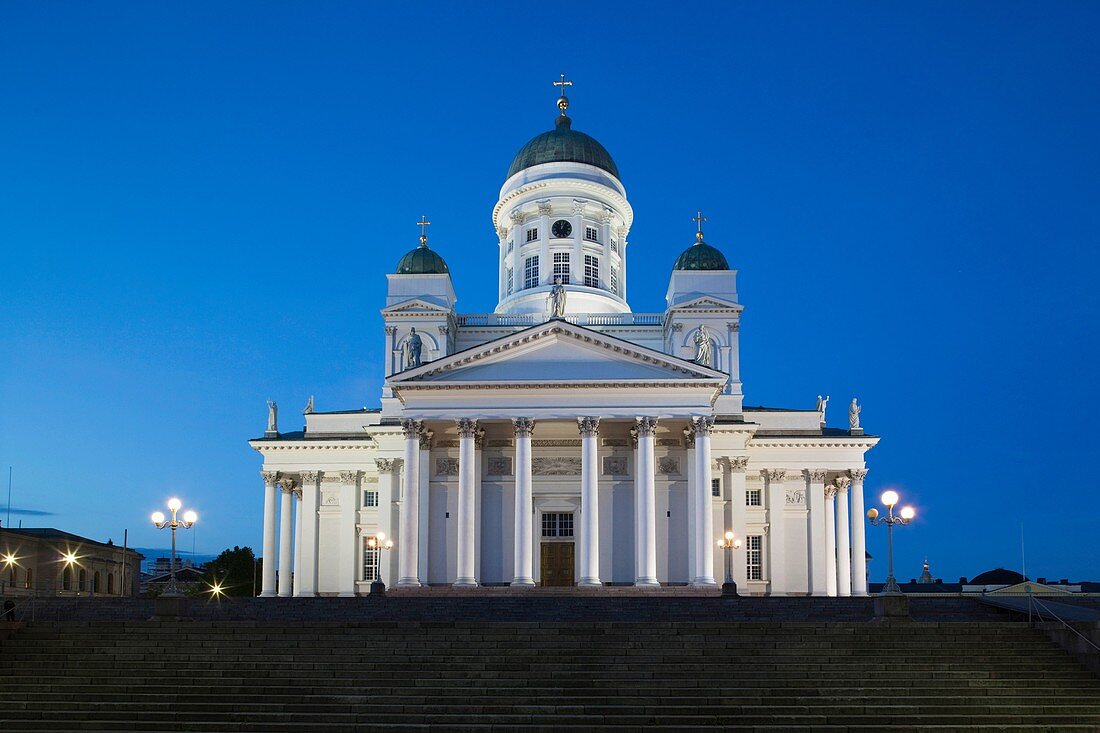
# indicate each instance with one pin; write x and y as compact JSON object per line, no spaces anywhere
{"x":110,"y":584}
{"x":83,"y":580}
{"x":67,"y":579}
{"x":95,"y":582}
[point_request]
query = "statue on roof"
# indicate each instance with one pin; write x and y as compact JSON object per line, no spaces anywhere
{"x":309,"y":406}
{"x":704,"y":348}
{"x":822,"y":403}
{"x":853,"y":415}
{"x":413,"y":346}
{"x":556,"y":300}
{"x":272,"y":417}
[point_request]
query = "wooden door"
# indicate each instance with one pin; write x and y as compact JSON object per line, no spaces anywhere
{"x":557,"y":563}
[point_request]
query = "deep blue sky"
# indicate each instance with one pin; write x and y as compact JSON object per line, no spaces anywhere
{"x":198,"y":202}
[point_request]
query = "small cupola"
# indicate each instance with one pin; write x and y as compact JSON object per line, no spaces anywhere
{"x":422,"y":260}
{"x":700,"y":255}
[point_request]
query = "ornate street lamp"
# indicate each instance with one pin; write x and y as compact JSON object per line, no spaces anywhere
{"x":379,"y":542}
{"x":889,"y":500}
{"x":729,"y":544}
{"x":189,"y":519}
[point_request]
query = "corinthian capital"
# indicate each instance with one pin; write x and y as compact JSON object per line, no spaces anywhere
{"x":287,"y":484}
{"x":411,"y":428}
{"x":349,"y":477}
{"x":467,"y":427}
{"x":842,"y":483}
{"x":523,"y":427}
{"x":425,"y":438}
{"x":774,"y":474}
{"x":830,"y":491}
{"x":689,"y":438}
{"x":817,"y":475}
{"x":269,"y":477}
{"x":310,"y":477}
{"x":386,"y":465}
{"x":646,"y":426}
{"x":858,"y":474}
{"x":739,"y":463}
{"x":589,"y":426}
{"x":703,"y":425}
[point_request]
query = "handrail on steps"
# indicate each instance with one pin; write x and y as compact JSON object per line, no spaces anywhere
{"x":1032,"y":600}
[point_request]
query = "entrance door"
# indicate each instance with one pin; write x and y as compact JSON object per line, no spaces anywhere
{"x":557,"y":563}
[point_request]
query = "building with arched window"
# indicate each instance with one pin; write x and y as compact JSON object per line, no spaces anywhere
{"x":565,"y":438}
{"x":43,"y":561}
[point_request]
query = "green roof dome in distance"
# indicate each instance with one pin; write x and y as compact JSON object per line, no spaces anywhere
{"x":422,"y":260}
{"x":563,"y":145}
{"x":701,"y":256}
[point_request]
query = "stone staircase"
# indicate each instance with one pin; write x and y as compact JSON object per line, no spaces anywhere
{"x":269,"y":675}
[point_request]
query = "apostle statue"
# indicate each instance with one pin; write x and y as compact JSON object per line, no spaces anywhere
{"x":704,"y":348}
{"x":309,"y":406}
{"x":272,"y":417}
{"x":853,"y":415}
{"x":556,"y":300}
{"x":822,"y":403}
{"x":413,"y":346}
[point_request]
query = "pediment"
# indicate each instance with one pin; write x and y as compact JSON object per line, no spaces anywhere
{"x":413,"y":305}
{"x":558,"y":353}
{"x":708,"y":302}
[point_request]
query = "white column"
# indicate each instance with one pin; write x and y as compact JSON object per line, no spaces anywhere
{"x":389,"y":487}
{"x":349,"y":496}
{"x":522,"y":427}
{"x":296,"y":549}
{"x":422,"y":509}
{"x":704,"y":503}
{"x":306,"y":549}
{"x":590,"y":502}
{"x":407,"y":543}
{"x":692,"y":531}
{"x":737,"y":466}
{"x":815,"y":503}
{"x":859,"y":540}
{"x":479,"y":452}
{"x":645,"y":505}
{"x":777,"y":532}
{"x":843,"y":542}
{"x":267,"y":587}
{"x":467,"y":430}
{"x":286,"y":509}
{"x":830,"y":540}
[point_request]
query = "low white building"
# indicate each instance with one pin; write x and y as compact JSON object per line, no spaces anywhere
{"x":563,"y":438}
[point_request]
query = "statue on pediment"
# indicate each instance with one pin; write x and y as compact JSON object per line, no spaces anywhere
{"x":853,"y":415}
{"x":556,"y":300}
{"x":822,"y":403}
{"x":272,"y":417}
{"x":413,"y":346}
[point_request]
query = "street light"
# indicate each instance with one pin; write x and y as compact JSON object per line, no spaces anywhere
{"x":729,"y":544}
{"x":379,"y":542}
{"x":890,"y":500}
{"x":189,"y":519}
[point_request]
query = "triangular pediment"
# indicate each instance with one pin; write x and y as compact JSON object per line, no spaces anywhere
{"x":708,"y":302}
{"x":558,"y":353}
{"x":413,"y":305}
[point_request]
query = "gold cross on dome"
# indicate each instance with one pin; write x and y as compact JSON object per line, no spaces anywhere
{"x":423,"y":224}
{"x":563,"y":84}
{"x":699,"y":219}
{"x":563,"y":101}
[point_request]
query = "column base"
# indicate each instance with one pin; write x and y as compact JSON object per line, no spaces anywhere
{"x":267,"y":594}
{"x":647,"y":583}
{"x":285,"y":595}
{"x":307,"y":595}
{"x":704,"y":583}
{"x":589,"y":583}
{"x":465,"y":583}
{"x":523,"y":583}
{"x":346,"y":594}
{"x":408,"y":583}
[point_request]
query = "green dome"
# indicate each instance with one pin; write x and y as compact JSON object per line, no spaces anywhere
{"x":563,"y":145}
{"x":701,"y":256}
{"x":422,"y":261}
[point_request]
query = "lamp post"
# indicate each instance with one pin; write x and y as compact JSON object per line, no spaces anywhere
{"x":889,"y":500}
{"x":729,"y":544}
{"x":188,"y":521}
{"x":379,"y":543}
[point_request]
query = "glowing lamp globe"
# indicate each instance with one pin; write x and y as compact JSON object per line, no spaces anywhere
{"x":174,"y":504}
{"x":908,"y":512}
{"x":889,"y":498}
{"x":381,"y":536}
{"x":158,"y":517}
{"x":872,"y":514}
{"x":190,"y":517}
{"x":721,"y":543}
{"x":729,"y":535}
{"x":737,"y":544}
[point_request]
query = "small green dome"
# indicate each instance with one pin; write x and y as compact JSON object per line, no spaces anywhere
{"x":563,"y":145}
{"x":422,"y":261}
{"x":701,"y":256}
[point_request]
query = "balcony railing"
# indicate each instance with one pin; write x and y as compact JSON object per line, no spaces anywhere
{"x":579,"y":319}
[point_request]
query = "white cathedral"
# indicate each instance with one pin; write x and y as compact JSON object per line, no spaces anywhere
{"x":563,"y":439}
